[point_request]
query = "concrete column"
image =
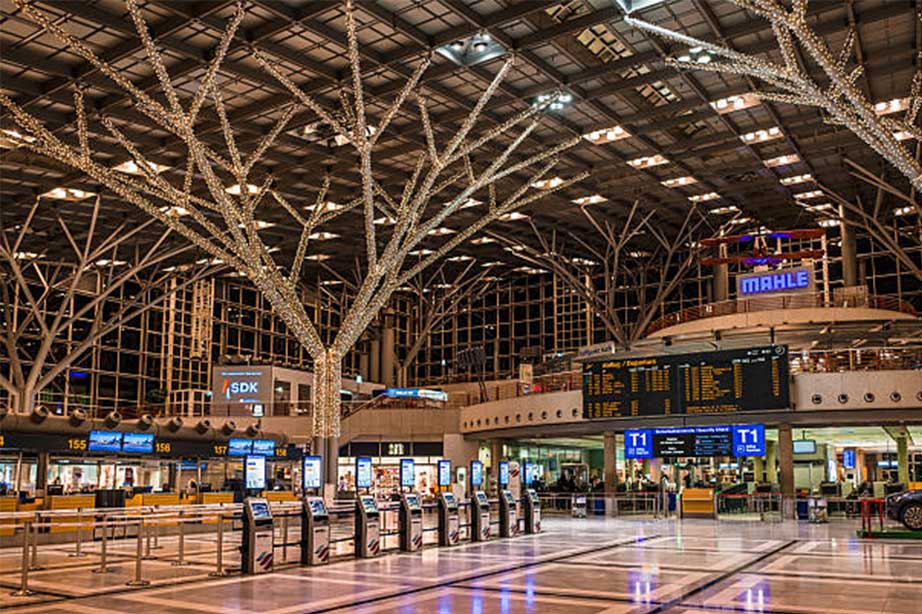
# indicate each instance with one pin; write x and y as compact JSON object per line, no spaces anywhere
{"x":365,"y":366}
{"x":609,"y":461}
{"x":902,"y":460}
{"x":771,"y":462}
{"x":374,"y":359}
{"x":646,"y":466}
{"x":41,"y":472}
{"x":388,"y":359}
{"x":758,"y":467}
{"x":721,"y":282}
{"x":331,"y":466}
{"x":849,"y":252}
{"x":786,"y":456}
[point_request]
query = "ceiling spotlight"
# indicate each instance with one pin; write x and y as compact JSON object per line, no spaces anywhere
{"x":481,"y":46}
{"x":457,"y":45}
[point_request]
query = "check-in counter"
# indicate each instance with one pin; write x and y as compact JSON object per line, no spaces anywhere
{"x":70,"y":502}
{"x":7,"y":505}
{"x":699,"y":503}
{"x":213,"y":498}
{"x":279,"y":496}
{"x":161,"y":498}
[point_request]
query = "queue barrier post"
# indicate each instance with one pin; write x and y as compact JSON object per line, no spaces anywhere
{"x":24,"y":577}
{"x":78,"y":546}
{"x":219,"y":557}
{"x":33,"y":563}
{"x":181,"y":556}
{"x":138,"y":580}
{"x":285,"y":538}
{"x":103,"y":549}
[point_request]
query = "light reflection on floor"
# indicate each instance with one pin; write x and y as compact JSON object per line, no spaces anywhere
{"x":591,"y":566}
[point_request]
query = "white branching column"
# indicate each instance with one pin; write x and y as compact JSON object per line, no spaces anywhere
{"x":451,"y":167}
{"x":838,"y":95}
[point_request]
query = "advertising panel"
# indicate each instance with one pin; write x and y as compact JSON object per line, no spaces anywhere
{"x":255,"y":472}
{"x":407,"y":473}
{"x":311,"y":472}
{"x":444,"y":473}
{"x":476,"y":474}
{"x":363,"y":475}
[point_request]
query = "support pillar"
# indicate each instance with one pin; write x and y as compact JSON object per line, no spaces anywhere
{"x":365,"y":367}
{"x":902,"y":460}
{"x":771,"y":462}
{"x":41,"y":472}
{"x":758,"y":468}
{"x":849,"y":251}
{"x":331,"y":464}
{"x":721,"y":282}
{"x":786,"y":456}
{"x":374,"y":359}
{"x":388,"y":359}
{"x":609,"y":461}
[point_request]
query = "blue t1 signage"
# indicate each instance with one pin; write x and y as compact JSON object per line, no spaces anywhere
{"x":638,"y":443}
{"x":749,"y":440}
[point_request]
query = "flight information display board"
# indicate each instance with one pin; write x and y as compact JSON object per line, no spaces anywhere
{"x":695,"y":441}
{"x":727,"y":381}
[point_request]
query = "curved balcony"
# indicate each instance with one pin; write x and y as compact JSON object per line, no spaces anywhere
{"x":734,"y":312}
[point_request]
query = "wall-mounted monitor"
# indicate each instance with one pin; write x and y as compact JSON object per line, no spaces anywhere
{"x":444,"y":473}
{"x":264,"y":447}
{"x":804,"y":446}
{"x":363,"y":472}
{"x":529,"y":474}
{"x":311,"y":472}
{"x":476,"y":474}
{"x":104,"y":441}
{"x":138,"y":443}
{"x":848,"y":458}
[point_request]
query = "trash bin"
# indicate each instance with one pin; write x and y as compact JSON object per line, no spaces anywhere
{"x":802,"y":510}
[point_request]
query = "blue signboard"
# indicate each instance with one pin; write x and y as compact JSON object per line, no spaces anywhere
{"x":264,"y":447}
{"x":749,"y":440}
{"x":476,"y":473}
{"x":529,"y":473}
{"x":104,"y":441}
{"x":239,"y":447}
{"x":138,"y":443}
{"x":416,"y":393}
{"x":848,"y":458}
{"x":444,"y":473}
{"x":638,"y":443}
{"x":407,"y":473}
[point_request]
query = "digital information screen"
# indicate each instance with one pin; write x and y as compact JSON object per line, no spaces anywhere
{"x":444,"y":473}
{"x":848,"y":458}
{"x":476,"y":473}
{"x":530,"y":473}
{"x":255,"y":472}
{"x":363,"y":472}
{"x":138,"y":443}
{"x":264,"y":447}
{"x":504,"y":473}
{"x":407,"y":473}
{"x":752,"y":379}
{"x":104,"y":441}
{"x":239,"y":447}
{"x":703,"y":441}
{"x":311,"y":475}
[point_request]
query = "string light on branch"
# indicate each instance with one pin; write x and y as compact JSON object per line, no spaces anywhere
{"x":68,"y":194}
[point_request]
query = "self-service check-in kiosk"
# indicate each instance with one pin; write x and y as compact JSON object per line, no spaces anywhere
{"x":449,"y":520}
{"x":411,"y":522}
{"x":480,"y":516}
{"x":315,"y":532}
{"x":367,"y":528}
{"x":508,"y":515}
{"x":256,"y":543}
{"x":532,"y":511}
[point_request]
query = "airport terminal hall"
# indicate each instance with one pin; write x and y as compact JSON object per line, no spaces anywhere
{"x":461,"y":306}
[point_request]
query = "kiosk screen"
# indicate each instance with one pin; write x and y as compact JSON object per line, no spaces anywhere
{"x":255,"y":472}
{"x":407,"y":473}
{"x":509,"y":497}
{"x":449,"y":499}
{"x":476,"y":473}
{"x":368,"y":503}
{"x":412,"y":501}
{"x":363,"y":472}
{"x":482,"y":498}
{"x":444,"y":473}
{"x":503,"y":473}
{"x":310,"y":472}
{"x":260,"y":509}
{"x":317,"y":507}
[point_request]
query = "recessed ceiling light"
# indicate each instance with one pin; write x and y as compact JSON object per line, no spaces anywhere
{"x":676,"y":182}
{"x":512,"y":216}
{"x":421,"y":252}
{"x":724,"y":210}
{"x":483,"y":240}
{"x":130,"y":167}
{"x":594,"y":199}
{"x":700,"y":198}
{"x":735,"y":103}
{"x":327,"y":206}
{"x":891,"y":106}
{"x":69,"y":194}
{"x":461,"y":258}
{"x":796,"y":179}
{"x":648,"y":161}
{"x":235,"y":190}
{"x":808,"y":194}
{"x":547,"y":184}
{"x":318,"y":257}
{"x":441,"y":231}
{"x":781,"y":160}
{"x":760,"y":136}
{"x":323,"y":235}
{"x":606,"y":135}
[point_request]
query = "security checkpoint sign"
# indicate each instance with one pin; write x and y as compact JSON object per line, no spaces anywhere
{"x":749,"y":440}
{"x":638,"y":443}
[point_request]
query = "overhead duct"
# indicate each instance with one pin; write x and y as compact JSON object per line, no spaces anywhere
{"x":39,"y":414}
{"x":203,"y":426}
{"x":77,"y":417}
{"x":229,"y":427}
{"x":253,"y":429}
{"x":174,"y":424}
{"x":145,"y":422}
{"x":113,"y":419}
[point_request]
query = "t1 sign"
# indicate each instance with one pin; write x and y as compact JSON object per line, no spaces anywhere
{"x":749,"y":440}
{"x":638,"y":444}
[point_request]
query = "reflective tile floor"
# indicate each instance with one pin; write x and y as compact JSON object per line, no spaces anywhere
{"x":589,"y":566}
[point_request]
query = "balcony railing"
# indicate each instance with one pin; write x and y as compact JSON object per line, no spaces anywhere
{"x":778,"y":302}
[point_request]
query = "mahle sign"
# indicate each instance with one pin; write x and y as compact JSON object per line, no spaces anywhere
{"x":795,"y":280}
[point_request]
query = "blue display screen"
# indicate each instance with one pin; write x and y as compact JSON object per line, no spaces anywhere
{"x":476,"y":473}
{"x":503,"y":473}
{"x":104,"y":441}
{"x":407,"y":473}
{"x":529,"y":473}
{"x":363,"y":472}
{"x":264,"y":447}
{"x":239,"y":447}
{"x":138,"y":443}
{"x":444,"y":473}
{"x":848,"y":458}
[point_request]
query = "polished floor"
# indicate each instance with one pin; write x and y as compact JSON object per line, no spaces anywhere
{"x":589,"y":566}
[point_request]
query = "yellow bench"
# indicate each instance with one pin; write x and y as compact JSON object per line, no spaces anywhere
{"x":698,"y":503}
